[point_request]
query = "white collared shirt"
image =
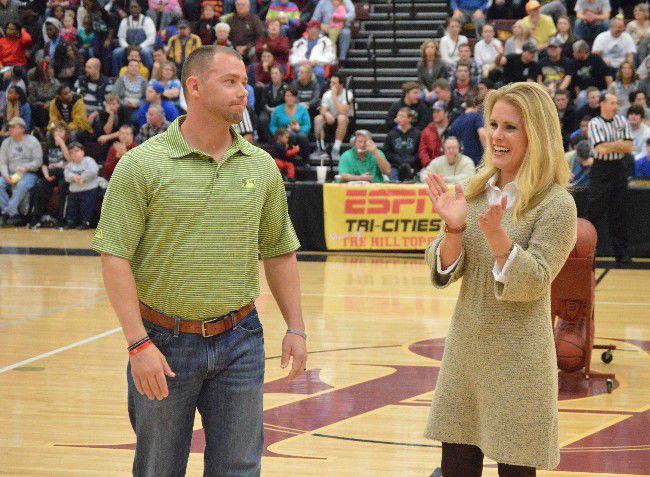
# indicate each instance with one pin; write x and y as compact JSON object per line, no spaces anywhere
{"x":493,"y":195}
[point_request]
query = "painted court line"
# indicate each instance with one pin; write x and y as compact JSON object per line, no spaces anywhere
{"x":59,"y":350}
{"x":51,"y":312}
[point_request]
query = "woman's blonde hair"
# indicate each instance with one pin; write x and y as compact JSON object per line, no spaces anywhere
{"x":544,"y":163}
{"x":167,"y":64}
{"x":642,"y":7}
{"x":423,"y":49}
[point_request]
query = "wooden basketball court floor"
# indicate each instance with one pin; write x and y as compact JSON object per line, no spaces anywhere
{"x":376,"y":329}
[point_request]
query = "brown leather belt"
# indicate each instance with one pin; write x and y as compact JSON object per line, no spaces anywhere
{"x":206,"y":328}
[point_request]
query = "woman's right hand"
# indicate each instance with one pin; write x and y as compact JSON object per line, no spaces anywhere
{"x":450,"y":205}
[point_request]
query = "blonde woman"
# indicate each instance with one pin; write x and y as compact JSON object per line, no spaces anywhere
{"x":430,"y":67}
{"x":507,"y":234}
{"x":639,"y":28}
{"x":520,"y":35}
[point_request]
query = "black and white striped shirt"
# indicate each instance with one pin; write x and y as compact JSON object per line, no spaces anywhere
{"x":602,"y":130}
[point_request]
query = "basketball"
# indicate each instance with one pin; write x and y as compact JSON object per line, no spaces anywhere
{"x":586,"y":240}
{"x":570,"y":349}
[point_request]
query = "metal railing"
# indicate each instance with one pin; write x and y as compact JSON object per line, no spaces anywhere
{"x":372,"y":58}
{"x":412,"y":8}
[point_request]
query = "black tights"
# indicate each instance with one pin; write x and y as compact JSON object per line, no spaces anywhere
{"x":460,"y":460}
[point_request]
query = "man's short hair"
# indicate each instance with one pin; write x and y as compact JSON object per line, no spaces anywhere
{"x":563,"y":92}
{"x":279,"y":133}
{"x":634,"y":94}
{"x":198,"y":60}
{"x":408,"y":111}
{"x":127,"y":126}
{"x":410,"y":85}
{"x":453,"y":138}
{"x":603,"y":97}
{"x":583,"y":149}
{"x":441,"y":83}
{"x":636,"y":109}
{"x":591,"y":89}
{"x":157,"y":108}
{"x":581,"y":46}
{"x":585,"y":118}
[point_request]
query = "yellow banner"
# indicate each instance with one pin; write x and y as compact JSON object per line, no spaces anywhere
{"x":378,"y":217}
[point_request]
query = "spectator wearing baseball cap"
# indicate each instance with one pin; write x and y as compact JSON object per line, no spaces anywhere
{"x":521,"y":67}
{"x":21,"y":156}
{"x":154,"y":96}
{"x":541,"y":26}
{"x":181,"y":45}
{"x":433,"y":134}
{"x":554,"y":70}
{"x":315,"y":48}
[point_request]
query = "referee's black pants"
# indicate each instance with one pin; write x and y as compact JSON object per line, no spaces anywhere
{"x":608,"y":183}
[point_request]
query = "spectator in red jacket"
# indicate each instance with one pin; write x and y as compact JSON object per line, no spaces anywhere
{"x":118,"y":149}
{"x":273,"y":42}
{"x":14,"y":45}
{"x":433,"y":135}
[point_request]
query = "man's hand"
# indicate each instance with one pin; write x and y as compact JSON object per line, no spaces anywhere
{"x":365,"y":177}
{"x":7,"y":179}
{"x":92,"y":116}
{"x":149,"y":368}
{"x":294,"y":346}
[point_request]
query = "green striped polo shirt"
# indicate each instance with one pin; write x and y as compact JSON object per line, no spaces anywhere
{"x":193,"y":229}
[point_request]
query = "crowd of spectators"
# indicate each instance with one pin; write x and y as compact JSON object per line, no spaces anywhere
{"x":84,"y":81}
{"x":87,"y":80}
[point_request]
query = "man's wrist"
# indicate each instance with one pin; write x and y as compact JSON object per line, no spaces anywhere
{"x":298,"y":332}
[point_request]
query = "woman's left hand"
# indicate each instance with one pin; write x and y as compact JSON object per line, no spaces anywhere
{"x":490,"y":220}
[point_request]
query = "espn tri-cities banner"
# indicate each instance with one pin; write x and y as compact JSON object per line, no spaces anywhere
{"x":378,"y":217}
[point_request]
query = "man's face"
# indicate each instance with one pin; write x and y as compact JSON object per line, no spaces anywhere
{"x":561,"y":101}
{"x":242,"y":7}
{"x":641,"y":100}
{"x":11,"y":31}
{"x":313,"y":32}
{"x":451,"y":150}
{"x":442,"y":94}
{"x":554,"y":52}
{"x":134,"y":9}
{"x":66,"y":95}
{"x":439,"y":116}
{"x":527,"y":56}
{"x":16,"y":132}
{"x":335,"y":84}
{"x":616,"y":27}
{"x":134,"y":55}
{"x":412,"y":96}
{"x":221,"y":88}
{"x":77,"y":155}
{"x":453,"y":28}
{"x":464,"y":53}
{"x":580,"y":55}
{"x":592,"y":99}
{"x":125,"y":136}
{"x":609,"y":107}
{"x":184,"y":32}
{"x":403,"y":120}
{"x":154,"y":118}
{"x":133,"y":68}
{"x":360,"y":143}
{"x":462,"y":73}
{"x":51,"y":31}
{"x":92,"y":68}
{"x":634,"y":119}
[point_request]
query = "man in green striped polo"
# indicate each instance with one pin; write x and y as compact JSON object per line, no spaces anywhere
{"x":185,"y":219}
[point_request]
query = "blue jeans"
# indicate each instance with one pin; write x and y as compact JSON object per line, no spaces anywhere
{"x":222,"y":377}
{"x":9,"y":205}
{"x":589,"y":31}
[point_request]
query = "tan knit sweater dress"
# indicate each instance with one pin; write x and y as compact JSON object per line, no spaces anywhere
{"x":497,"y":387}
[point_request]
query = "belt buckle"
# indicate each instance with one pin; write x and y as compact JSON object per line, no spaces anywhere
{"x":204,"y":332}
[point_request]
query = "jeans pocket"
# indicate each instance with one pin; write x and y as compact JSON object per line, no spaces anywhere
{"x":158,"y":334}
{"x":251,"y":324}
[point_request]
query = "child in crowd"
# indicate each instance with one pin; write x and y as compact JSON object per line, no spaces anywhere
{"x":337,"y":21}
{"x":69,"y":32}
{"x":81,"y":174}
{"x":86,"y":37}
{"x":284,"y":154}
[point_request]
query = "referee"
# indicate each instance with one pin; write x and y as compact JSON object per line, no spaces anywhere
{"x":611,"y":139}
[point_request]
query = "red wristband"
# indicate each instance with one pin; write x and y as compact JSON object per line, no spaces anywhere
{"x":142,"y":347}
